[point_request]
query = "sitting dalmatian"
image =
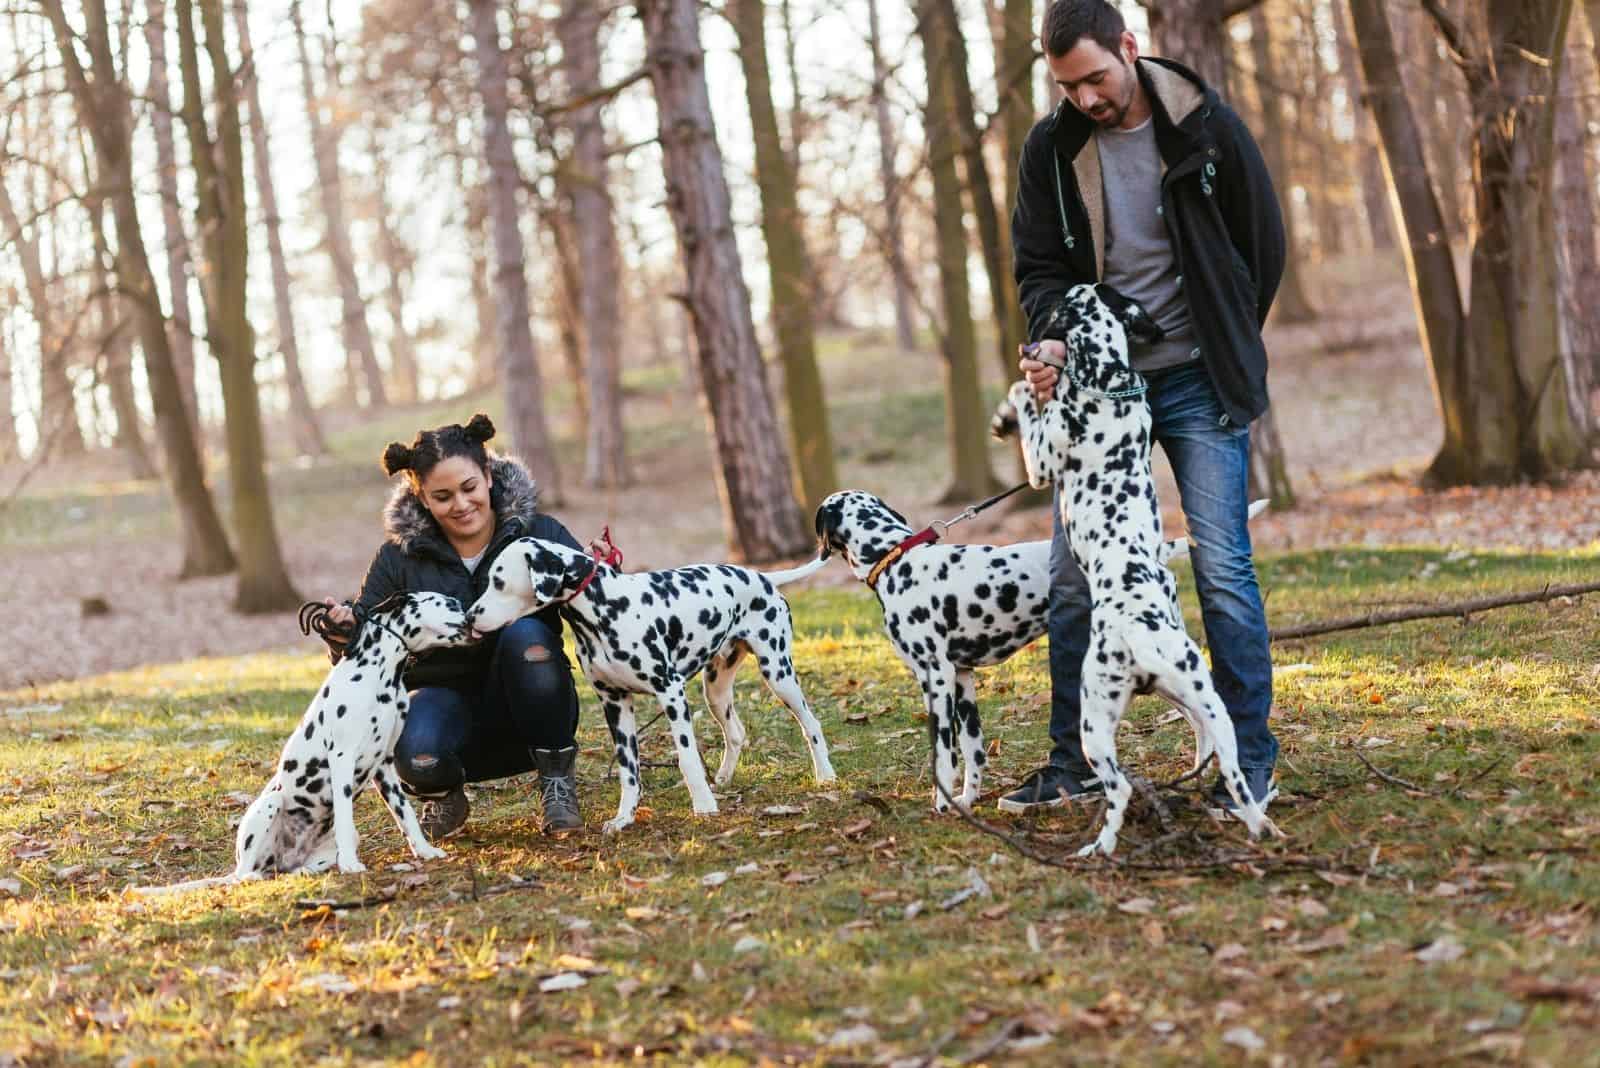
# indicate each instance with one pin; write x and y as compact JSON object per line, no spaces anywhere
{"x":651,"y":633}
{"x":304,"y":818}
{"x":948,"y":609}
{"x":1092,"y":439}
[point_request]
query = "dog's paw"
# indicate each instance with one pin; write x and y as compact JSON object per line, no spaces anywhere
{"x":430,"y":852}
{"x":826,"y":775}
{"x":615,"y":824}
{"x":352,"y":867}
{"x":706,"y":808}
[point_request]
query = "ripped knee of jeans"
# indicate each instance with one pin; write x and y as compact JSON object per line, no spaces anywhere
{"x":537,"y":653}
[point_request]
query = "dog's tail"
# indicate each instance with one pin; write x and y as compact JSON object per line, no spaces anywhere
{"x":795,"y":574}
{"x":181,"y":888}
{"x":1171,"y":550}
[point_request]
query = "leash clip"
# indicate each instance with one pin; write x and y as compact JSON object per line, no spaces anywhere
{"x":610,"y":555}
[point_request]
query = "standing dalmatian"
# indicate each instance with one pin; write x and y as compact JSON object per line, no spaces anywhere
{"x":1091,"y":439}
{"x":650,"y":633}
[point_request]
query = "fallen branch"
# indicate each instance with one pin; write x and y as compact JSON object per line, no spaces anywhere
{"x":1385,"y":776}
{"x":1460,"y":610}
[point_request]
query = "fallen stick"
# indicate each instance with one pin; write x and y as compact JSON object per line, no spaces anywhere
{"x":1460,"y":610}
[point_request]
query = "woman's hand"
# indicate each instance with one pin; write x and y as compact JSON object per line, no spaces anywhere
{"x":342,"y":616}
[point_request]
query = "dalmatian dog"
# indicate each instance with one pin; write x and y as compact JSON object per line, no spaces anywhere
{"x":948,"y":609}
{"x":304,"y":819}
{"x":1092,"y":439}
{"x":650,"y":633}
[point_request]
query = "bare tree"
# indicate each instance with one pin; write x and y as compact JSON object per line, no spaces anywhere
{"x":114,"y":347}
{"x":1369,"y":157}
{"x":893,"y":239}
{"x":10,"y":445}
{"x":1192,"y":32}
{"x":218,"y":159}
{"x":336,"y":234}
{"x":1291,"y":305}
{"x":302,"y":417}
{"x":966,"y":422}
{"x":59,"y":429}
{"x":398,"y":261}
{"x":599,"y":262}
{"x":1576,"y":219}
{"x":519,"y":362}
{"x":174,"y":238}
{"x":102,"y":104}
{"x":788,"y":265}
{"x":760,"y":515}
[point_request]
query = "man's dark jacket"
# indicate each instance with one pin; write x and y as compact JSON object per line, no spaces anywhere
{"x":1219,"y":207}
{"x":416,"y":558}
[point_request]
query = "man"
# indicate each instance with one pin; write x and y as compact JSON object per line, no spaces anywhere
{"x":1144,"y":179}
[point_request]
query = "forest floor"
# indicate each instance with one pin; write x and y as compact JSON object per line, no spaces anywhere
{"x":1432,"y":903}
{"x":1351,"y":391}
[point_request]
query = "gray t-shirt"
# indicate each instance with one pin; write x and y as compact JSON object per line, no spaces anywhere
{"x":1139,"y":260}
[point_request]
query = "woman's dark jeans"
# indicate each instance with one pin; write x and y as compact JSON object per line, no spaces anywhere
{"x":528,"y":702}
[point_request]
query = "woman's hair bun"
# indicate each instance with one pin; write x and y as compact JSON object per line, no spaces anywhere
{"x":396,"y":458}
{"x":479,"y":428}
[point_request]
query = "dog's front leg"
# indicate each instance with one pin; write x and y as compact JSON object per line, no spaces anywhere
{"x":618,"y":708}
{"x":939,"y":690}
{"x":1106,"y":693}
{"x":971,"y":728}
{"x":345,"y":837}
{"x":387,"y":783}
{"x":676,"y":705}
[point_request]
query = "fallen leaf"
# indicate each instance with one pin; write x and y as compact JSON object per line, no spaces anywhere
{"x":12,"y":887}
{"x":713,"y":878}
{"x":1229,"y":951}
{"x":859,"y":1035}
{"x":1244,"y":1038}
{"x":1137,"y":906}
{"x":1332,"y":938}
{"x":1444,"y":949}
{"x":571,"y":962}
{"x":782,"y":810}
{"x":641,"y":912}
{"x":562,"y":981}
{"x":748,"y":944}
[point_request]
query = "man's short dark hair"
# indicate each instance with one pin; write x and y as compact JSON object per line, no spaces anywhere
{"x":1067,"y":21}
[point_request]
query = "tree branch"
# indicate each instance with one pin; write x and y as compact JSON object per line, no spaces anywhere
{"x":1456,"y":41}
{"x":1460,"y":609}
{"x":1237,"y":7}
{"x":594,"y":96}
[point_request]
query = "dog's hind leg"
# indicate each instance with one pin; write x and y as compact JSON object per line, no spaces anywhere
{"x":971,"y":733}
{"x":778,"y":671}
{"x":618,"y":708}
{"x":1107,"y":689}
{"x":717,"y":681}
{"x":387,"y":782}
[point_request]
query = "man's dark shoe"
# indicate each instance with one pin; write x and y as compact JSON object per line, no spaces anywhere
{"x":442,"y":815}
{"x":1050,"y":787}
{"x":1263,"y":787}
{"x":558,"y":789}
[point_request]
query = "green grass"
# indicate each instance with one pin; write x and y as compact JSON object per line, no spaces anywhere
{"x":124,"y":779}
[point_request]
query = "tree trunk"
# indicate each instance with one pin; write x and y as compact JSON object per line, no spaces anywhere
{"x":10,"y":446}
{"x":599,"y":259}
{"x":893,"y":240}
{"x":965,"y":418}
{"x":397,"y":261}
{"x":569,"y":298}
{"x":173,"y":236}
{"x":1191,"y":32}
{"x":788,"y":266}
{"x":1435,"y":286}
{"x":264,"y":584}
{"x":1577,"y":223}
{"x":302,"y":416}
{"x":760,"y":516}
{"x":60,"y":434}
{"x":114,"y":350}
{"x":336,"y":235}
{"x":1291,"y":305}
{"x":519,"y":361}
{"x":104,"y":110}
{"x":1369,"y":162}
{"x":1007,"y":310}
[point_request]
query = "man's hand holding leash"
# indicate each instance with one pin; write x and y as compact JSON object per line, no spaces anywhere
{"x":1042,"y":376}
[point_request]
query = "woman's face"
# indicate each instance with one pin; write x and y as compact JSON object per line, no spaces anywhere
{"x":456,"y":492}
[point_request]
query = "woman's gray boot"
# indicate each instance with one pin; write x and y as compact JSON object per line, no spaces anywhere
{"x":558,"y":789}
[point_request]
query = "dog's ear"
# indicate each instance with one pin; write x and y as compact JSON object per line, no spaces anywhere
{"x":1133,"y":316}
{"x":551,"y":573}
{"x":1004,"y":422}
{"x":829,"y":515}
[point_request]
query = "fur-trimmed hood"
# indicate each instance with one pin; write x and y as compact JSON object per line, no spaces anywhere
{"x":514,"y":495}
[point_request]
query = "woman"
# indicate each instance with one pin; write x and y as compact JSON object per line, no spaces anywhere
{"x":506,"y":704}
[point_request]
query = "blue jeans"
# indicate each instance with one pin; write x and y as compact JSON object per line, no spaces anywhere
{"x":1211,"y":460}
{"x":528,"y":701}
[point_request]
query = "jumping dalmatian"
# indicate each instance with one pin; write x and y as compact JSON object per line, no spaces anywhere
{"x":650,"y":633}
{"x":304,"y":819}
{"x":1092,"y":439}
{"x":948,"y":609}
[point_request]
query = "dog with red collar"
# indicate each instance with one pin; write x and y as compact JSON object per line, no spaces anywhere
{"x":652,"y":632}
